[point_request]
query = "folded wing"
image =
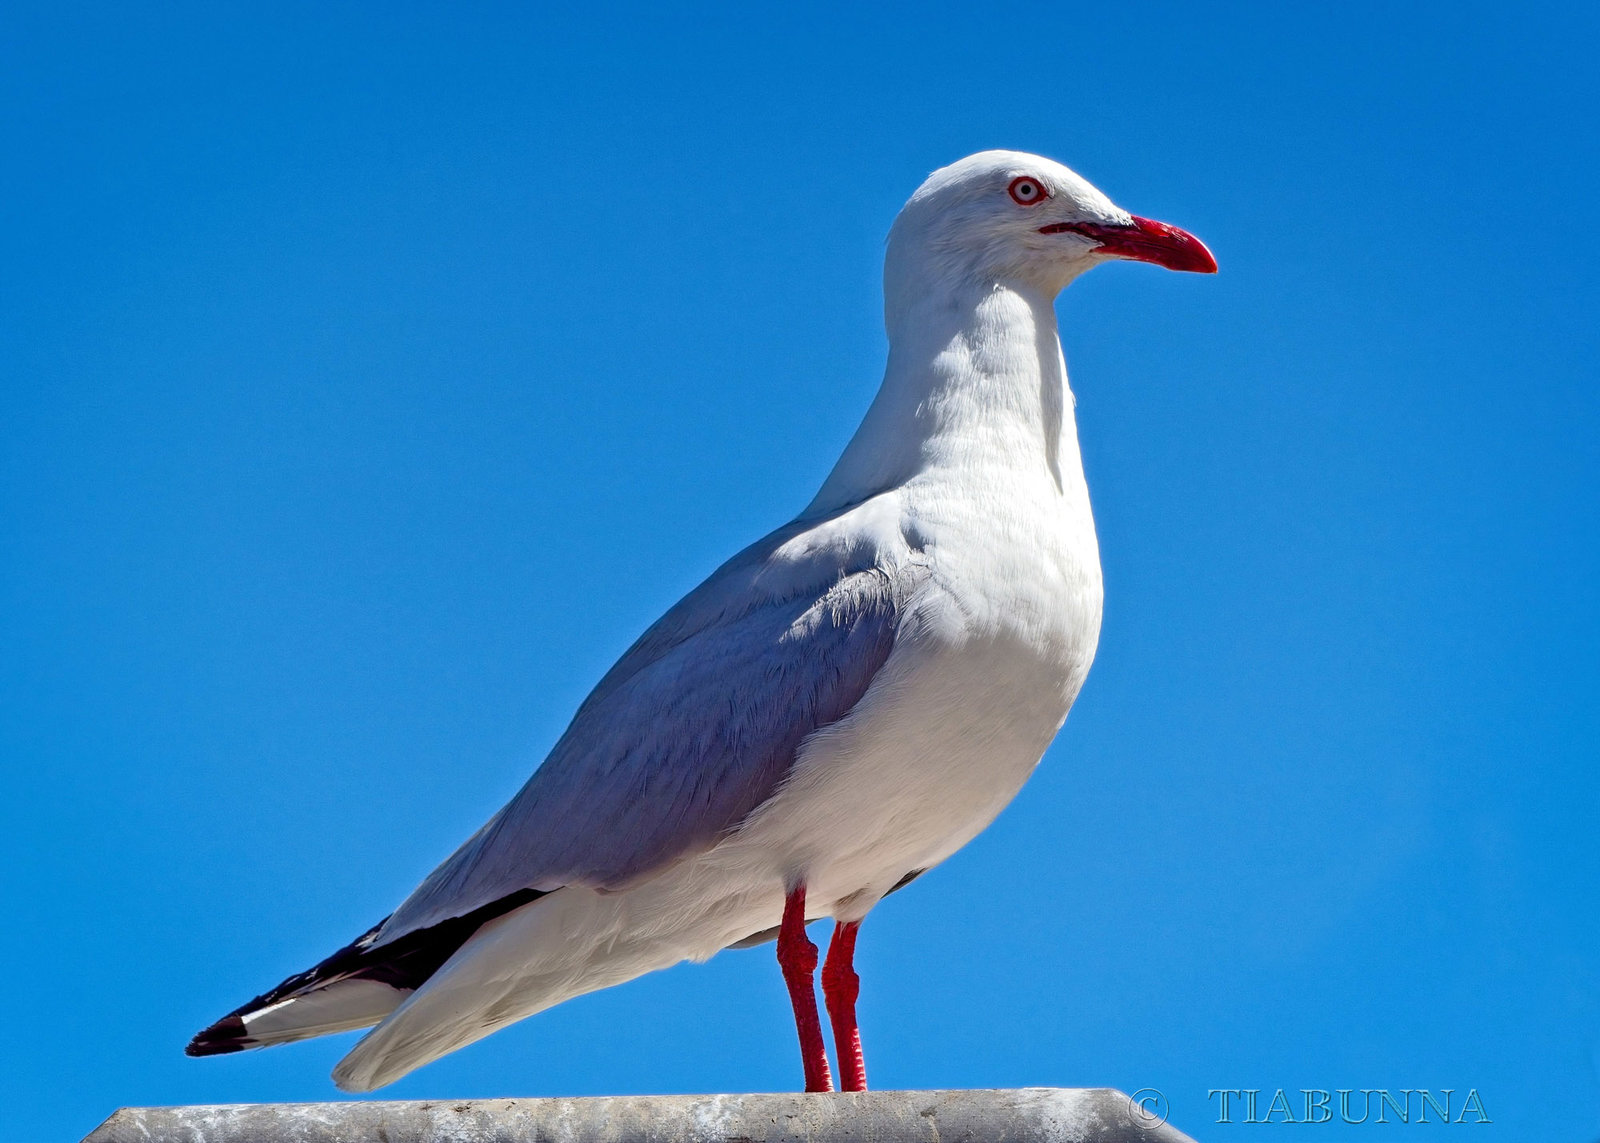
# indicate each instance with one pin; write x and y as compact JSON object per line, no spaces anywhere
{"x":694,"y":728}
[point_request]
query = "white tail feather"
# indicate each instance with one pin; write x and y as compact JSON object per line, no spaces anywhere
{"x":339,"y":1007}
{"x":568,"y":943}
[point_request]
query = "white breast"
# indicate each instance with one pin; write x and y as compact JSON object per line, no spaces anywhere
{"x":988,"y":660}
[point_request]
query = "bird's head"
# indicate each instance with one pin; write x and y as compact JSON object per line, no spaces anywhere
{"x":1010,"y":216}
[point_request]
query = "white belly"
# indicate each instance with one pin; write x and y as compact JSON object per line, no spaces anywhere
{"x":943,"y":740}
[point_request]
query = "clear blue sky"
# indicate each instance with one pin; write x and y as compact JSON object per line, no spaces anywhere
{"x":369,"y":378}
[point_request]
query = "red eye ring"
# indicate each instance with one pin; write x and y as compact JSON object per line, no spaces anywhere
{"x":1025,"y":190}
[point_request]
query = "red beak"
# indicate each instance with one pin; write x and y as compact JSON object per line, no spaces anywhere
{"x":1144,"y":240}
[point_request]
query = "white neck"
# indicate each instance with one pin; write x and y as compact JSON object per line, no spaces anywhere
{"x":975,"y":387}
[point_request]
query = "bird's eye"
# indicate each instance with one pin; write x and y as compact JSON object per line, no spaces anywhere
{"x":1027,"y":191}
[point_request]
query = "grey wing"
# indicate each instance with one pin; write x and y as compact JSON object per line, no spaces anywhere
{"x":693,"y":728}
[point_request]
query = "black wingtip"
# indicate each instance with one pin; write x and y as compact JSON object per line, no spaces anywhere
{"x":226,"y":1035}
{"x":403,"y":964}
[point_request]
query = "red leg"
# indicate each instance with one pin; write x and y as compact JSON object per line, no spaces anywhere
{"x":797,"y":956}
{"x":840,"y":987}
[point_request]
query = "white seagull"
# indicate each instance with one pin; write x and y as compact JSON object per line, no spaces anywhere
{"x":841,"y":706}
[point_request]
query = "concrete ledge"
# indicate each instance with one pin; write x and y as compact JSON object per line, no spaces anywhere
{"x":1024,"y":1115}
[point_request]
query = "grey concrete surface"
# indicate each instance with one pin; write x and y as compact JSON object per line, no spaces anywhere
{"x":1024,"y":1115}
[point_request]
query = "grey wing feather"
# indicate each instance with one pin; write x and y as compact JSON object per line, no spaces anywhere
{"x":694,"y":727}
